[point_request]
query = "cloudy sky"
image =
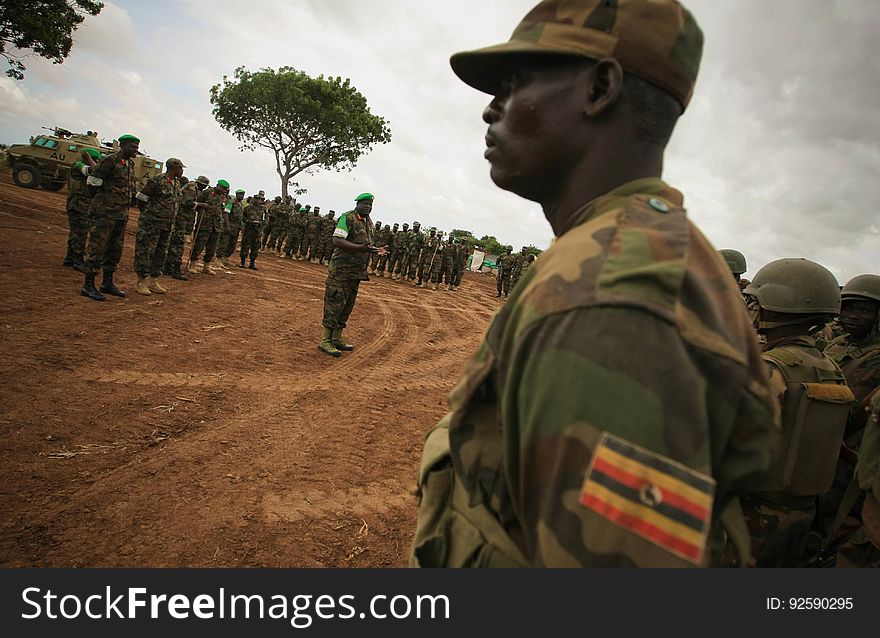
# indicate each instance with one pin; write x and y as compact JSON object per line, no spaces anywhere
{"x":778,"y":154}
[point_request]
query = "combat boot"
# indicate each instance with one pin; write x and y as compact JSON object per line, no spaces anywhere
{"x":225,"y":262}
{"x":338,"y":343}
{"x":141,"y":287}
{"x":208,"y":269}
{"x":326,"y":344}
{"x":241,"y":265}
{"x":194,"y":268}
{"x":89,"y":290}
{"x":78,"y":263}
{"x":153,"y":283}
{"x":252,"y":266}
{"x":68,"y":261}
{"x":109,"y":287}
{"x":176,"y":274}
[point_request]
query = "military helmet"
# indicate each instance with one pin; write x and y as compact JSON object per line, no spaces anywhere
{"x":510,"y":248}
{"x":795,"y":286}
{"x":736,"y":261}
{"x":862,"y":287}
{"x":416,"y":225}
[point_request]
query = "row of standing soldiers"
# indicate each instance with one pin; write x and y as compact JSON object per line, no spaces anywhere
{"x":425,"y":260}
{"x":298,"y":232}
{"x":511,"y":268}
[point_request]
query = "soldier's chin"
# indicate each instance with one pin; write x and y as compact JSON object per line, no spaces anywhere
{"x":512,"y":182}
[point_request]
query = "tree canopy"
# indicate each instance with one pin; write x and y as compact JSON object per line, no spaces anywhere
{"x":308,"y":123}
{"x":43,"y":26}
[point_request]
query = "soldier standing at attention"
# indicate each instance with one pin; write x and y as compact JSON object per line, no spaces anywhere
{"x":505,"y":267}
{"x":158,"y":201}
{"x":353,"y":247}
{"x":270,"y":221}
{"x":377,"y":234}
{"x":325,"y":240}
{"x":414,"y":245}
{"x":790,"y":301}
{"x":618,"y":405}
{"x":183,"y":224}
{"x":113,"y":178}
{"x":388,"y":234}
{"x":254,"y":217}
{"x":212,"y":222}
{"x":398,"y":252}
{"x":279,"y":225}
{"x":519,"y":263}
{"x":295,"y":232}
{"x":79,"y":199}
{"x":234,"y":210}
{"x":313,"y":234}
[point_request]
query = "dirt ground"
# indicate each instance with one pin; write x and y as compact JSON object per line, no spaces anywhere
{"x":203,"y":427}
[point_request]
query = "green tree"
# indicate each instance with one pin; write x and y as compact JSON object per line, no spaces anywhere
{"x":491,"y":245}
{"x":308,"y":123}
{"x":44,"y":27}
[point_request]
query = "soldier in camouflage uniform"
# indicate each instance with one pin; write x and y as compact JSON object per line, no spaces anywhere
{"x":113,"y":178}
{"x":325,"y":240}
{"x":313,"y":235}
{"x":862,"y":548}
{"x":212,"y":221}
{"x":618,"y":404}
{"x":505,"y":268}
{"x":158,"y":201}
{"x":353,"y":243}
{"x":379,"y":237}
{"x":295,"y":232}
{"x":235,"y":212}
{"x":254,"y":218}
{"x":283,"y":211}
{"x":448,"y":254}
{"x":398,"y":252}
{"x":736,"y":261}
{"x":790,"y":300}
{"x":415,"y":244}
{"x":461,"y":257}
{"x":519,"y":263}
{"x":79,"y":199}
{"x":183,"y":224}
{"x":388,"y":234}
{"x":270,"y":221}
{"x":428,"y":260}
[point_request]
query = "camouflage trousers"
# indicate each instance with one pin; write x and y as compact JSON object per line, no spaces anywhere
{"x":276,"y":238}
{"x":294,"y":240}
{"x":326,"y":250}
{"x":442,"y":274}
{"x":78,"y":221}
{"x":503,"y":281}
{"x":179,"y":230}
{"x":233,"y":240}
{"x":456,"y":276}
{"x":401,"y":264}
{"x":151,"y":245}
{"x":222,"y":243}
{"x":779,"y":533}
{"x":267,"y":231}
{"x":339,"y":298}
{"x":250,"y":242}
{"x":104,"y":246}
{"x":384,"y":260}
{"x":412,"y":266}
{"x":310,"y":245}
{"x":206,"y":240}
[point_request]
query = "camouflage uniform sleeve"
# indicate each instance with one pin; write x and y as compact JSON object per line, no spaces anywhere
{"x":612,"y":451}
{"x":104,"y":169}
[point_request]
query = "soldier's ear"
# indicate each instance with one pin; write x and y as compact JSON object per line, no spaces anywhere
{"x":602,"y":84}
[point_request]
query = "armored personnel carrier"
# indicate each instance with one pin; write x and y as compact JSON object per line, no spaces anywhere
{"x":46,"y":161}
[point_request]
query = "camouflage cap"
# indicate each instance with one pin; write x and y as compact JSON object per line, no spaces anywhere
{"x":201,"y":179}
{"x":657,"y":40}
{"x":173,"y":161}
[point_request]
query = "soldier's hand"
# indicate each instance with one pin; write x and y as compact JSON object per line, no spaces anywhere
{"x":369,"y":248}
{"x":382,"y":251}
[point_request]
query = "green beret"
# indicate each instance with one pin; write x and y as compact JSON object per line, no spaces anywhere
{"x":223,"y":183}
{"x":364,"y":196}
{"x":128,"y":138}
{"x":94,"y":153}
{"x":240,"y":190}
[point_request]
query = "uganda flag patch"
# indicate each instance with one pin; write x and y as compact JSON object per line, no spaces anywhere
{"x":651,"y":495}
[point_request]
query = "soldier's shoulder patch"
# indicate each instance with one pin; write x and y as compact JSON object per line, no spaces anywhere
{"x":653,"y":496}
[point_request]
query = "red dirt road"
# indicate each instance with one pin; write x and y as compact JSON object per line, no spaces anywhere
{"x":203,"y":427}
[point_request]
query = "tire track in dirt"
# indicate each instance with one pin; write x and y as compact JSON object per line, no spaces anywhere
{"x":377,"y":498}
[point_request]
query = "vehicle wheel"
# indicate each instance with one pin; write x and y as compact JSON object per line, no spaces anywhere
{"x":53,"y":186}
{"x":26,"y":176}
